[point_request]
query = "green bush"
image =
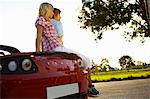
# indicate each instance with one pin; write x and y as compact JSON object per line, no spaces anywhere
{"x":120,"y":75}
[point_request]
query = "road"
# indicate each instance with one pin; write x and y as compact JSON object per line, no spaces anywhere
{"x":128,"y":89}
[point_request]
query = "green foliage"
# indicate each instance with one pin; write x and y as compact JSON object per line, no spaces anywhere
{"x":105,"y":64}
{"x":126,"y":62}
{"x":102,"y":15}
{"x":93,"y":63}
{"x":120,"y":75}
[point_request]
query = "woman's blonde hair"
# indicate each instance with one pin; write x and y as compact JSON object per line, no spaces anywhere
{"x":43,"y":8}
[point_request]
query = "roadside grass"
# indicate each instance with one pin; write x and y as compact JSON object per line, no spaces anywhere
{"x":120,"y":75}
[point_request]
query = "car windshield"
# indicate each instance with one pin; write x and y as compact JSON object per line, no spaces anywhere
{"x":3,"y":53}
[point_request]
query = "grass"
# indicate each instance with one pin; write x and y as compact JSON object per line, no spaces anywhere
{"x":120,"y":75}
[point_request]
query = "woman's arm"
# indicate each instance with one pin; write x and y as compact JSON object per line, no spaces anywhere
{"x":40,"y":30}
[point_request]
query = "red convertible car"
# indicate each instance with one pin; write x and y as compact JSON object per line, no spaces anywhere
{"x":42,"y":75}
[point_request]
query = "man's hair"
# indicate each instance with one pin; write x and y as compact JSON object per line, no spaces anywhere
{"x":57,"y":11}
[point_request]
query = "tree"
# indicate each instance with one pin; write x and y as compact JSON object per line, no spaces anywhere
{"x":102,"y":15}
{"x":105,"y":64}
{"x":95,"y":67}
{"x":126,"y":62}
{"x":93,"y":64}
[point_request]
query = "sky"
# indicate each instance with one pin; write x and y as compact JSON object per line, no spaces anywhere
{"x":17,"y":28}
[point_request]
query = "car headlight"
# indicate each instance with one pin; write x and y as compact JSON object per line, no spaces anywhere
{"x":12,"y":66}
{"x":80,"y":64}
{"x":26,"y":64}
